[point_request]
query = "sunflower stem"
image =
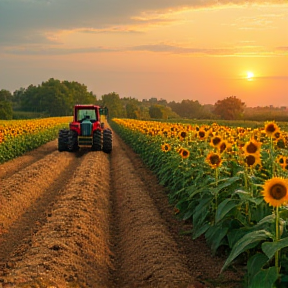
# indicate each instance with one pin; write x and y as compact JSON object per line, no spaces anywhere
{"x":216,"y":194}
{"x":277,"y":238}
{"x":271,"y":157}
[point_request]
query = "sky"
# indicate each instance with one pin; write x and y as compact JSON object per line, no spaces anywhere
{"x":204,"y":50}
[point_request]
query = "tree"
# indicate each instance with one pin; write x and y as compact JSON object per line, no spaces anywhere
{"x":5,"y":95}
{"x":113,"y":103}
{"x":187,"y":108}
{"x":132,"y":111}
{"x":156,"y":111}
{"x":54,"y":97}
{"x":6,"y":112}
{"x":230,"y":108}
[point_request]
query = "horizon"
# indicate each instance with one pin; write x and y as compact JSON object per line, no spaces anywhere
{"x":191,"y":50}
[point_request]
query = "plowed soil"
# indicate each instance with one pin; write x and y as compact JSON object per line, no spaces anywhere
{"x":90,"y":219}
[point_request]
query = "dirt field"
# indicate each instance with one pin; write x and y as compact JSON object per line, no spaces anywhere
{"x":89,"y":219}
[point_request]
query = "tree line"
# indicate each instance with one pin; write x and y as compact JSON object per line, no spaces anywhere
{"x":57,"y":98}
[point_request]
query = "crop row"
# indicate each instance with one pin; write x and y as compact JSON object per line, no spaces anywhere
{"x":20,"y":136}
{"x":230,"y":182}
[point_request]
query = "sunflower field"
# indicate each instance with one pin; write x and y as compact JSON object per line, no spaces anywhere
{"x":20,"y":136}
{"x":230,"y":182}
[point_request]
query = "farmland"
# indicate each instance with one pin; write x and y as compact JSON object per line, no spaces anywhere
{"x":90,"y":219}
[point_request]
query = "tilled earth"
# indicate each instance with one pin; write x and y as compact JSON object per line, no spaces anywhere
{"x":89,"y":219}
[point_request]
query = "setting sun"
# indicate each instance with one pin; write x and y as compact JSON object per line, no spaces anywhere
{"x":250,"y":75}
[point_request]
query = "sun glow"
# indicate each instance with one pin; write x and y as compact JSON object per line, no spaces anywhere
{"x":250,"y":75}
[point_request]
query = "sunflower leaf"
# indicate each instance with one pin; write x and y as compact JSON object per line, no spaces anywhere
{"x":248,"y":241}
{"x":224,"y":208}
{"x":265,"y":278}
{"x":270,"y":248}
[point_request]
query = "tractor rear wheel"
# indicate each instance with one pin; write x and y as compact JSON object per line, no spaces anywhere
{"x":63,"y":140}
{"x":97,"y":140}
{"x":72,"y":141}
{"x":107,"y":140}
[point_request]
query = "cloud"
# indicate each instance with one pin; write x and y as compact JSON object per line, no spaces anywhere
{"x":177,"y":49}
{"x":28,"y":21}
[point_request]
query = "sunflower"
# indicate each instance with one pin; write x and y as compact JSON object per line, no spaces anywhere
{"x":224,"y":146}
{"x":214,"y":160}
{"x":184,"y":153}
{"x":182,"y":135}
{"x":271,"y":128}
{"x":166,"y":147}
{"x":201,"y":134}
{"x":252,"y":160}
{"x":275,"y":191}
{"x":252,"y":147}
{"x":215,"y":141}
{"x":281,"y":142}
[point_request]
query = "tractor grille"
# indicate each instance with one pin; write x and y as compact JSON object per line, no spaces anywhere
{"x":86,"y":128}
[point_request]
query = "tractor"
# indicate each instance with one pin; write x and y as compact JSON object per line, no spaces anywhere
{"x":86,"y":130}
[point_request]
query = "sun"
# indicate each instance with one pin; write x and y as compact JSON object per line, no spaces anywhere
{"x":250,"y":75}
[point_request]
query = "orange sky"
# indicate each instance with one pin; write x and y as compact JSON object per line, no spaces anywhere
{"x":198,"y":50}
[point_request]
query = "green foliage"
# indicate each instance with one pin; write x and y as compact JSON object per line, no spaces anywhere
{"x":6,"y":112}
{"x":53,"y":97}
{"x":113,"y":103}
{"x":230,"y":108}
{"x":5,"y":95}
{"x":17,"y":115}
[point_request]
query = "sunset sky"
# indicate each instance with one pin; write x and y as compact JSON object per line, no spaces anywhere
{"x":203,"y":50}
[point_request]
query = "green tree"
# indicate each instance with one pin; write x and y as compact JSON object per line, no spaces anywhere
{"x":5,"y":95}
{"x":132,"y":111}
{"x":187,"y":108}
{"x":113,"y":103}
{"x":157,"y":111}
{"x":6,"y":112}
{"x":17,"y":98}
{"x":230,"y":108}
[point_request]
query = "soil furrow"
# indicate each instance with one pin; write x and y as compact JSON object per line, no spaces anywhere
{"x":72,"y":248}
{"x":17,"y":236}
{"x":147,"y":255}
{"x":24,"y":187}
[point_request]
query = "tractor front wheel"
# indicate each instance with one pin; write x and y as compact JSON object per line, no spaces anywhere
{"x":97,"y":140}
{"x":107,"y":140}
{"x":63,"y":140}
{"x":72,"y":141}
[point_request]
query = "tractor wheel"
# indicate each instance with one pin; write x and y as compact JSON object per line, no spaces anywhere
{"x":63,"y":140}
{"x":107,"y":140}
{"x":72,"y":141}
{"x":97,"y":140}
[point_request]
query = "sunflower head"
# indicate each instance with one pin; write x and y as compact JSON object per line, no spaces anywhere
{"x":182,"y":135}
{"x":275,"y":191}
{"x":184,"y":153}
{"x":271,"y":128}
{"x":166,"y":147}
{"x":214,"y":160}
{"x":252,"y":160}
{"x":215,"y":141}
{"x":224,"y":146}
{"x":201,"y":134}
{"x":252,"y":147}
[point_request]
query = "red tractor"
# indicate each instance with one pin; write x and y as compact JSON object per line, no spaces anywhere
{"x":86,"y":130}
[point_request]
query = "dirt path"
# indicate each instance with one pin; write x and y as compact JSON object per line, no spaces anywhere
{"x":95,"y":220}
